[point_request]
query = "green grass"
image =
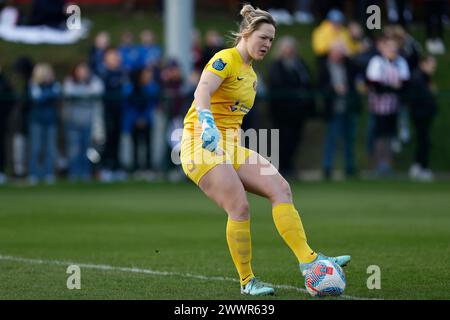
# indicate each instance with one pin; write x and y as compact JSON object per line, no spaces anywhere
{"x":402,"y":227}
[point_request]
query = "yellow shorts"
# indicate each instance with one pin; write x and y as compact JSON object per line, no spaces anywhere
{"x":196,"y":161}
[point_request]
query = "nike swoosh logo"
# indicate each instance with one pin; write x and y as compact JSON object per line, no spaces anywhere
{"x":239,"y":78}
{"x":245,"y":278}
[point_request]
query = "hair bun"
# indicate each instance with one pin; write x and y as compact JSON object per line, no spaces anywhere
{"x":246,"y":10}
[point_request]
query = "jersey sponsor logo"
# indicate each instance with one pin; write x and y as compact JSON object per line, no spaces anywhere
{"x":240,"y":78}
{"x":239,"y":106}
{"x":244,"y":108}
{"x":219,"y":65}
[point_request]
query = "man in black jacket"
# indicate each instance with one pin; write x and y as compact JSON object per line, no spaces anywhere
{"x":6,"y":104}
{"x":337,"y":77}
{"x":291,"y":99}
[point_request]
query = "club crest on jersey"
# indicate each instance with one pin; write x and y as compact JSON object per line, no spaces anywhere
{"x":219,"y":65}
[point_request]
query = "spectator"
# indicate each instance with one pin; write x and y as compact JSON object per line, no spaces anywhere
{"x":7,"y":100}
{"x":150,"y":53}
{"x":45,"y":92}
{"x":409,"y":48}
{"x":129,"y":52}
{"x":23,"y":67}
{"x":330,"y":30}
{"x":175,"y":124}
{"x":213,"y":44}
{"x":434,"y":11}
{"x":197,"y":50}
{"x":142,"y":97}
{"x":386,"y":75}
{"x":423,"y":110}
{"x":96,"y":52}
{"x":172,"y":82}
{"x":290,"y":84}
{"x":337,"y":80}
{"x":82,"y":91}
{"x":114,"y":79}
{"x":173,"y":103}
{"x":359,"y":43}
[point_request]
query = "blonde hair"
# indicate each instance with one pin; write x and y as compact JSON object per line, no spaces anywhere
{"x":42,"y":73}
{"x":252,"y":18}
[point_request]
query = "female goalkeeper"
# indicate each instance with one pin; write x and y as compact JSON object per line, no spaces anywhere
{"x":213,"y":159}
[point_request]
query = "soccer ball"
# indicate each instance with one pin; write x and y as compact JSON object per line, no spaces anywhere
{"x":325,"y":278}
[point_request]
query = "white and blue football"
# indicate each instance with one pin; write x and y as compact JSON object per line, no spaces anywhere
{"x":325,"y":278}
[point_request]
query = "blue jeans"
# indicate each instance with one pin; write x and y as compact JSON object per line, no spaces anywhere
{"x":42,"y":133}
{"x":78,"y":139}
{"x":340,"y":125}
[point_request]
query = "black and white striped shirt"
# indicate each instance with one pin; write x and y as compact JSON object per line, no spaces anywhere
{"x":384,"y":76}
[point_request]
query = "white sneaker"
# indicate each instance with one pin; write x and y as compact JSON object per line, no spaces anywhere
{"x":414,"y":171}
{"x":257,"y":288}
{"x":426,"y":175}
{"x":106,"y":176}
{"x":396,"y":146}
{"x":439,"y":46}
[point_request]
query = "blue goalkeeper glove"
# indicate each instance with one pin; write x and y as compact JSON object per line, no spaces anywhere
{"x":210,"y":134}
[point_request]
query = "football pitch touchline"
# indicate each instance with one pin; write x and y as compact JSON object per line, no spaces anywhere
{"x":154,"y":273}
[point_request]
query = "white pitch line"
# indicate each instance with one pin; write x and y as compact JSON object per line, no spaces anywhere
{"x":153,"y":272}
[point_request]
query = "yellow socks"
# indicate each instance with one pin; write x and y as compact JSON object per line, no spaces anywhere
{"x":240,"y":245}
{"x":289,"y":225}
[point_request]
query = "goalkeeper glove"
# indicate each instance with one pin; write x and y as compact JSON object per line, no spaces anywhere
{"x":210,"y":134}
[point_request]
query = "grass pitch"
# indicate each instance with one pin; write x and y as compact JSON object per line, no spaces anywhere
{"x":176,"y":237}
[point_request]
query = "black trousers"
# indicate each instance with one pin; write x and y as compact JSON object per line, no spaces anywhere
{"x":4,"y":115}
{"x":423,"y":142}
{"x":290,"y":125}
{"x":142,"y":137}
{"x":112,"y":118}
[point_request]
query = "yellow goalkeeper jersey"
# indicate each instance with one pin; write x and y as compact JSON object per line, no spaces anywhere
{"x":235,"y":96}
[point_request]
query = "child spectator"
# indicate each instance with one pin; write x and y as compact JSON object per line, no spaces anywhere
{"x":386,"y":75}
